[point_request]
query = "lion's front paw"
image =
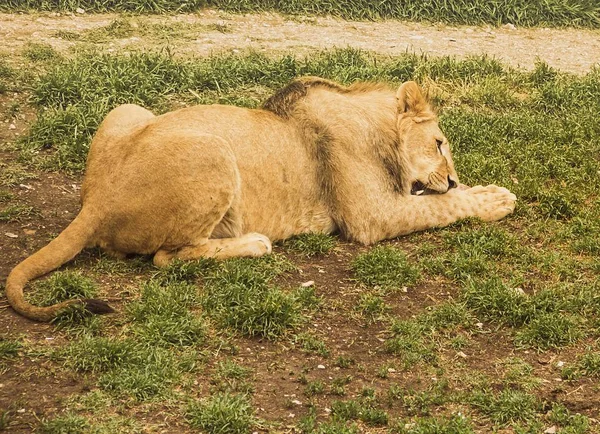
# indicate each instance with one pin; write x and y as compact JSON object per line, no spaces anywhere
{"x":491,"y":202}
{"x":257,"y":244}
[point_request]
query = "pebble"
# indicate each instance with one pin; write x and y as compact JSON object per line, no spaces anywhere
{"x":12,"y":127}
{"x":321,"y":367}
{"x":297,"y":402}
{"x":80,"y":11}
{"x":560,"y":364}
{"x":307,"y":284}
{"x":551,"y":430}
{"x":11,"y":235}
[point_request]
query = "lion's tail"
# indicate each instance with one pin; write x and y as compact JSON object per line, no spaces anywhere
{"x":62,"y":249}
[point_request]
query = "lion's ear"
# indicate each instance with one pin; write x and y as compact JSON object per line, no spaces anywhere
{"x":411,"y":99}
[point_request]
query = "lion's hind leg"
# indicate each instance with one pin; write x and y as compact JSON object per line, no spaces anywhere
{"x":248,"y":245}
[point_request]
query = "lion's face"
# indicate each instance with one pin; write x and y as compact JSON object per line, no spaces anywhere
{"x":426,"y":152}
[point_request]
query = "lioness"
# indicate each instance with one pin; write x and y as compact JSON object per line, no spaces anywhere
{"x":219,"y":181}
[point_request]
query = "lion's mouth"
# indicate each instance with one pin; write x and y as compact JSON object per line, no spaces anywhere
{"x":420,"y":189}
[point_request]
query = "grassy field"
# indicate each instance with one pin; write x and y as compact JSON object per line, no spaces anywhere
{"x":578,"y":13}
{"x":473,"y":328}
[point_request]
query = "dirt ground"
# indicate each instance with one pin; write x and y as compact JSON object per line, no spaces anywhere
{"x":571,"y":50}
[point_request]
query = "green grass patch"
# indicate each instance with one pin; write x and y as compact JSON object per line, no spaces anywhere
{"x":240,"y":295}
{"x":143,"y":6}
{"x":507,"y":406}
{"x":16,"y":213}
{"x":61,"y":286}
{"x":232,"y":377}
{"x":550,"y":330}
{"x":422,"y":402}
{"x":9,"y":348}
{"x":163,"y":315}
{"x":129,"y":368}
{"x":6,"y":196}
{"x":311,"y":244}
{"x":569,"y":422}
{"x":65,"y":424}
{"x":365,"y":409}
{"x":311,"y":344}
{"x":410,"y":343}
{"x":587,"y":364}
{"x":222,"y":413}
{"x":37,"y":52}
{"x":13,"y":174}
{"x":384,"y":267}
{"x":496,"y":12}
{"x":371,"y":307}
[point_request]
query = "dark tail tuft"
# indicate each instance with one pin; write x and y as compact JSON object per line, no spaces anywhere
{"x":97,"y":307}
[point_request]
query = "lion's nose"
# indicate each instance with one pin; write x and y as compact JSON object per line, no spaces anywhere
{"x":451,"y":183}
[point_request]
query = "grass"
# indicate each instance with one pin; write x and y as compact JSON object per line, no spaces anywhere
{"x":371,"y":307}
{"x":507,"y":406}
{"x":239,"y":295}
{"x":312,"y":344}
{"x":496,"y":12}
{"x":68,"y":423}
{"x":384,"y":267}
{"x":187,"y":339}
{"x":222,"y":413}
{"x":232,"y":377}
{"x":63,"y":285}
{"x":365,"y":409}
{"x":311,"y":244}
{"x":16,"y":213}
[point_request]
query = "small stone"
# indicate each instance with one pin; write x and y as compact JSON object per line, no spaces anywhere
{"x":519,"y":291}
{"x":404,"y":289}
{"x":21,"y":410}
{"x":479,"y":325}
{"x":551,"y":430}
{"x":461,"y":354}
{"x":11,"y":235}
{"x":12,"y":127}
{"x":80,"y":11}
{"x":391,"y":370}
{"x":509,"y":26}
{"x":26,"y":187}
{"x":560,"y":364}
{"x":296,"y":402}
{"x":321,"y":367}
{"x":307,"y":284}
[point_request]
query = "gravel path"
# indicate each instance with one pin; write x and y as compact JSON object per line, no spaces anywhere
{"x":572,"y":50}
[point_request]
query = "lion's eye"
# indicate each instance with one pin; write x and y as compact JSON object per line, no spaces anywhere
{"x":439,"y":144}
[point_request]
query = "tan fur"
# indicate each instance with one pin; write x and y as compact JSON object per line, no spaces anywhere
{"x":222,"y":181}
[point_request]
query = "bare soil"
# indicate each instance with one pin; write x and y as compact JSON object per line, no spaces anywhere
{"x":571,"y":50}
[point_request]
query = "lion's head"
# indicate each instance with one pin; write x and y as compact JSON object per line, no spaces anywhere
{"x":428,"y":165}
